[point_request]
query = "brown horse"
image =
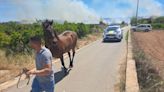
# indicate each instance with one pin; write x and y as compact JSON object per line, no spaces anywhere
{"x":59,"y":44}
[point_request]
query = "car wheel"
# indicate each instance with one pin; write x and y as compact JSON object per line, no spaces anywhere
{"x":121,"y":37}
{"x":134,"y":30}
{"x":146,"y":30}
{"x":103,"y":40}
{"x":119,"y":40}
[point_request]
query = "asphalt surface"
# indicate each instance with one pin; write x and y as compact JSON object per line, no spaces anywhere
{"x":95,"y":69}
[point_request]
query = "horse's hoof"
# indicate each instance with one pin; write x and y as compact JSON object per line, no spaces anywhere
{"x":71,"y":66}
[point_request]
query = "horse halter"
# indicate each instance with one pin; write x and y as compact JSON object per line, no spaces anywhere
{"x":23,"y":71}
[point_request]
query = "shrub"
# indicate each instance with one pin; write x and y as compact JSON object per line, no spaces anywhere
{"x":14,"y":36}
{"x":158,"y":26}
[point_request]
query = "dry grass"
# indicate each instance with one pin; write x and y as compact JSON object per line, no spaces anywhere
{"x":121,"y":80}
{"x":10,"y":66}
{"x":148,"y":75}
{"x":88,"y":39}
{"x":120,"y":86}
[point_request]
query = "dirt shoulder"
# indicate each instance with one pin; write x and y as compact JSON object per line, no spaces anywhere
{"x":10,"y":67}
{"x":148,"y":52}
{"x":152,"y":43}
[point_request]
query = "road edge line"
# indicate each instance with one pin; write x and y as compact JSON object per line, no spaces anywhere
{"x":131,"y":73}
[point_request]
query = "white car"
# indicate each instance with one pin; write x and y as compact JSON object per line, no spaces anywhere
{"x":142,"y":27}
{"x":112,"y":33}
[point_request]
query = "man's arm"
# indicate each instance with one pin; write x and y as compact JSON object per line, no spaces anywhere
{"x":43,"y":72}
{"x":47,"y":68}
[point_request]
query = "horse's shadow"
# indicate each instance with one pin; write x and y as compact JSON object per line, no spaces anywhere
{"x":60,"y":75}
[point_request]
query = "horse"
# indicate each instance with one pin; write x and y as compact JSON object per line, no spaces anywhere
{"x":59,"y":44}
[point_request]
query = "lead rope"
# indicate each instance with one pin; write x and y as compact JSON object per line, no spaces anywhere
{"x":23,"y":71}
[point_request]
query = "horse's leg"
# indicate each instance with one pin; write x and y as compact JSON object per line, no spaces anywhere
{"x":71,"y":63}
{"x":69,"y":54}
{"x":62,"y":62}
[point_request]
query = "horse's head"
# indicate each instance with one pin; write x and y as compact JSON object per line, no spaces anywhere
{"x":47,"y":28}
{"x":51,"y":37}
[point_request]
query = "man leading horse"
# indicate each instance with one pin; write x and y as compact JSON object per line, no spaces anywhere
{"x":44,"y":73}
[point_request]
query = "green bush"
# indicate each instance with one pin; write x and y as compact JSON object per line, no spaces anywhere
{"x":14,"y":36}
{"x":4,"y":39}
{"x":158,"y":26}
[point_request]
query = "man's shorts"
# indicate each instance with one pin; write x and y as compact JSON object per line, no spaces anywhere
{"x":42,"y":87}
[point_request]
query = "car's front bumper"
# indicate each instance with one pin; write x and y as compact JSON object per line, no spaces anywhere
{"x":111,"y":38}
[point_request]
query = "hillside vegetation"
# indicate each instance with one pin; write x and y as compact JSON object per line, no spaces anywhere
{"x":14,"y":36}
{"x":156,"y":22}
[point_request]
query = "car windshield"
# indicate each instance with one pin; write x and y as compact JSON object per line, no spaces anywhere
{"x":142,"y":26}
{"x":112,"y":29}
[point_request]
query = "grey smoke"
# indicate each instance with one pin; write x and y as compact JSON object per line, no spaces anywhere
{"x":70,"y":10}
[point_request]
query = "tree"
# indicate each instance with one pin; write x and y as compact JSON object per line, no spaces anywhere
{"x":123,"y":23}
{"x":133,"y":21}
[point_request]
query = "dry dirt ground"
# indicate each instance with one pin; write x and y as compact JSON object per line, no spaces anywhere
{"x":152,"y":43}
{"x":11,"y":70}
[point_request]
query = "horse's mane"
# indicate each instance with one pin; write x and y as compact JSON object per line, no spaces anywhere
{"x":65,"y":33}
{"x":55,"y":34}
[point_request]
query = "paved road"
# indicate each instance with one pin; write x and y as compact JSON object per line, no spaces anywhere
{"x":95,"y":69}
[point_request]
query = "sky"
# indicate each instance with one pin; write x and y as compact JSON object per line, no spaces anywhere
{"x":89,"y":11}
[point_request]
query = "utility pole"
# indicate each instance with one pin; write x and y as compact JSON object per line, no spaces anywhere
{"x":137,"y":12}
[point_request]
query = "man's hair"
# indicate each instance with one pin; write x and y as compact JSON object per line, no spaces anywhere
{"x":36,"y":39}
